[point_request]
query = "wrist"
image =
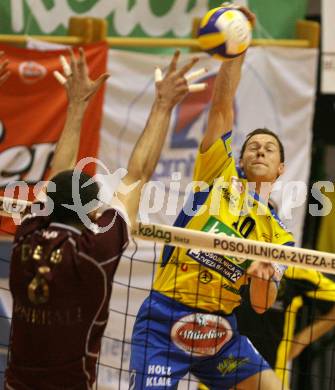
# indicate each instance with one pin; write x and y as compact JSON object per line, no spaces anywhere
{"x":279,"y":270}
{"x":77,"y":105}
{"x":163,"y":104}
{"x":275,"y":282}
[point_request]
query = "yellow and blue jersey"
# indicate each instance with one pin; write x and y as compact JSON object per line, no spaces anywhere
{"x":223,"y":203}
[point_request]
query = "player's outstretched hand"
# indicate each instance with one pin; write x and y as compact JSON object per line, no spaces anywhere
{"x":250,"y":15}
{"x":76,"y":80}
{"x":4,"y":72}
{"x":175,"y":85}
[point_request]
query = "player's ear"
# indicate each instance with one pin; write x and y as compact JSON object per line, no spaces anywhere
{"x":281,"y":169}
{"x":241,"y":163}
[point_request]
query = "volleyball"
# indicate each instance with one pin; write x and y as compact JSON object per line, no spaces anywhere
{"x":224,"y":33}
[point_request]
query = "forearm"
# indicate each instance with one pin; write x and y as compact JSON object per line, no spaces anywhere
{"x":318,"y":328}
{"x":144,"y":157}
{"x":311,"y":333}
{"x":227,"y":81}
{"x":67,"y":148}
{"x":263,"y":294}
{"x":148,"y":148}
{"x":221,"y":115}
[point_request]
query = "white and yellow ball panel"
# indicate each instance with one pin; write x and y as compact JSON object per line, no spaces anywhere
{"x":210,"y":41}
{"x":224,"y":32}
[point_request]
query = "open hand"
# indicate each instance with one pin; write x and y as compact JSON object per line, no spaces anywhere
{"x":76,"y":80}
{"x":175,"y":85}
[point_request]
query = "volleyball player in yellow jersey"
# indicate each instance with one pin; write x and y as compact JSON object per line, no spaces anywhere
{"x":187,"y":323}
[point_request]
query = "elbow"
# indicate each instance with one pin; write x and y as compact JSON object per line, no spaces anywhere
{"x":138,"y":171}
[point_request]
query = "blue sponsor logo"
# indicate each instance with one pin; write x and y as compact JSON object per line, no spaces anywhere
{"x":217,"y":263}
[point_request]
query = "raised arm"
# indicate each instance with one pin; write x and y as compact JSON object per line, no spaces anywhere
{"x":221,"y":114}
{"x":4,"y":72}
{"x":311,"y":333}
{"x":143,"y":160}
{"x":80,"y":88}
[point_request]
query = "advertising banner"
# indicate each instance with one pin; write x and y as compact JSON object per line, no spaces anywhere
{"x":142,"y":18}
{"x":33,"y":109}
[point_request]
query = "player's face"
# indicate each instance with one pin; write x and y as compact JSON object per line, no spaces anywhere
{"x":261,"y":159}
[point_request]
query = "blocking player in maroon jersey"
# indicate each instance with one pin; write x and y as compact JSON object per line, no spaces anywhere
{"x":61,"y":271}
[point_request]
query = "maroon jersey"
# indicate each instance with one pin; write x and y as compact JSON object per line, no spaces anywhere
{"x":60,"y":279}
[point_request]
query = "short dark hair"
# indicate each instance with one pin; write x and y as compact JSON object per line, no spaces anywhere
{"x":268,"y":132}
{"x":63,"y":195}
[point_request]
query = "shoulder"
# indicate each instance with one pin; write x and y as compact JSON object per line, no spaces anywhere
{"x":31,"y":223}
{"x":277,"y":219}
{"x":222,"y":145}
{"x":107,"y":238}
{"x":271,"y":226}
{"x":285,"y":236}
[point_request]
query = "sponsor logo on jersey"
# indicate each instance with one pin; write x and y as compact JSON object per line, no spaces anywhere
{"x":184,"y":267}
{"x":158,"y":375}
{"x":231,"y":268}
{"x":231,"y":364}
{"x":201,"y":334}
{"x":218,"y":263}
{"x":49,"y":235}
{"x":205,"y":277}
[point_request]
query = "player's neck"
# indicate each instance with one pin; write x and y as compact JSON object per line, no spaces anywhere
{"x":263,"y":190}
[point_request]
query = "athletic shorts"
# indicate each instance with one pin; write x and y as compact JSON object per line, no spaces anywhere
{"x":171,"y":339}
